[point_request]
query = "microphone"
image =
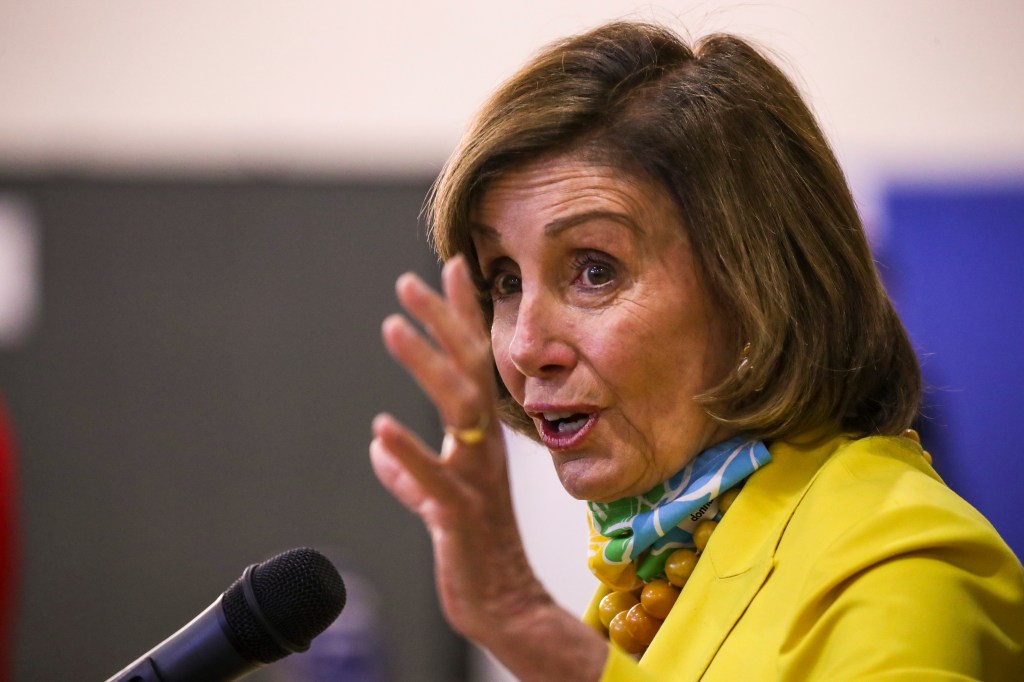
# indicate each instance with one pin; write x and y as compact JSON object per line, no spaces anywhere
{"x":276,"y":608}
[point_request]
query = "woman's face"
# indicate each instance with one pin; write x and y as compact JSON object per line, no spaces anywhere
{"x":602,"y":330}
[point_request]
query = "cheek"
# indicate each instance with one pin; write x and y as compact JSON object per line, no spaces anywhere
{"x":501,"y":338}
{"x":641,"y":351}
{"x":630,"y":342}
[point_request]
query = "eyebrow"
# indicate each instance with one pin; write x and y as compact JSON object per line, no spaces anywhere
{"x":562,"y":224}
{"x":485,"y":231}
{"x":559,"y":225}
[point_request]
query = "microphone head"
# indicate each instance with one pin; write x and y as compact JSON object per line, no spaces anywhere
{"x":298,"y":593}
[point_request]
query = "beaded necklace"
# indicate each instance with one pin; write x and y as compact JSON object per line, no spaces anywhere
{"x":633,"y":618}
{"x":645,"y":547}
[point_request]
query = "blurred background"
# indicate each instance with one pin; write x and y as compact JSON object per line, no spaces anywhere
{"x":204,"y":205}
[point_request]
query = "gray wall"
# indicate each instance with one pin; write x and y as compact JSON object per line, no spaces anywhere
{"x":197,"y":397}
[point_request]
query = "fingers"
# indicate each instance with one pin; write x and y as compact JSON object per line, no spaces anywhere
{"x":405,"y":465}
{"x":456,"y":373}
{"x":456,"y":394}
{"x":460,"y":290}
{"x":454,"y":321}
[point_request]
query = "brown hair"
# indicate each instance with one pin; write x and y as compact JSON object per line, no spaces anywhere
{"x":773,"y":225}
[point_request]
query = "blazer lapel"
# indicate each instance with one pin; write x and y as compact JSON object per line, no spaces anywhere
{"x":737,"y":561}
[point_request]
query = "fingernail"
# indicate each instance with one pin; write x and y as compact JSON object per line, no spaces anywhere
{"x":404,"y":280}
{"x":378,"y":422}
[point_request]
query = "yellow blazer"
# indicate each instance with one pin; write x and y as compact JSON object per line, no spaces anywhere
{"x":843,"y":560}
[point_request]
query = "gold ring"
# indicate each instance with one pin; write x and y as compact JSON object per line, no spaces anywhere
{"x":472,"y":435}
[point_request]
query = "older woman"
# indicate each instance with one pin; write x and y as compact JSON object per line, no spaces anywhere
{"x":655,"y":249}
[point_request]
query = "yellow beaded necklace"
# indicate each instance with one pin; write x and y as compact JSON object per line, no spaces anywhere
{"x":633,"y":617}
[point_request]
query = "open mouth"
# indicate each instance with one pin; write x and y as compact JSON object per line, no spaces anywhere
{"x":561,"y":430}
{"x":565,"y":424}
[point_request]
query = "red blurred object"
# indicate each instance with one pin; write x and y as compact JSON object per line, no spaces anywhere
{"x":8,"y":542}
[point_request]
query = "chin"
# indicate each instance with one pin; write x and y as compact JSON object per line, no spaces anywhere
{"x":587,"y":480}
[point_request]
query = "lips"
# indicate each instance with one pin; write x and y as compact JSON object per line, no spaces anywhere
{"x":561,"y":429}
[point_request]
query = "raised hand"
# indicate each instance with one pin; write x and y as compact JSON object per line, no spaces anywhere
{"x":487,"y":589}
{"x":460,"y":493}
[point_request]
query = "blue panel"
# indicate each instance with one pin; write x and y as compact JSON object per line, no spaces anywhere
{"x":953,"y":262}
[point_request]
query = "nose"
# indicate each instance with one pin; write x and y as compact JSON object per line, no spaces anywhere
{"x":540,"y":344}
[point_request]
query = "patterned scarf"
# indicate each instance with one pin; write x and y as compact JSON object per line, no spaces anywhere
{"x":631,"y":538}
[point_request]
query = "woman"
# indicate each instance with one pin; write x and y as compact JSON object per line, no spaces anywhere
{"x":655,"y":268}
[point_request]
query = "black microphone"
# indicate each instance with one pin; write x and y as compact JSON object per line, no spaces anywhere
{"x":276,"y":608}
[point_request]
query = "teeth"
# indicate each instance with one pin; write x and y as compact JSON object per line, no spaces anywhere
{"x":573,"y":425}
{"x":566,"y":422}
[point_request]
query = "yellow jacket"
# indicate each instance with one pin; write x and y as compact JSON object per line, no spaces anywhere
{"x":843,"y":560}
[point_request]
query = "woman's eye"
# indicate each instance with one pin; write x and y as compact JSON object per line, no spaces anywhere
{"x":593,"y":273}
{"x":505,"y":284}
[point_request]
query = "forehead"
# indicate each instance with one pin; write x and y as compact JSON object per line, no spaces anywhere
{"x":559,"y":190}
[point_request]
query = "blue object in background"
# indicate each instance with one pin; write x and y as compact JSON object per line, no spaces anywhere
{"x":953,"y":261}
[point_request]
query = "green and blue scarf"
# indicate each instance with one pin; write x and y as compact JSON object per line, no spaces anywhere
{"x":631,"y":538}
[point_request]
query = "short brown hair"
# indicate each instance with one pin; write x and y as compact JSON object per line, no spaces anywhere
{"x":773,"y":225}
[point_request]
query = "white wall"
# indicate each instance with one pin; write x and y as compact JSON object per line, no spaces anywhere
{"x":331,"y":85}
